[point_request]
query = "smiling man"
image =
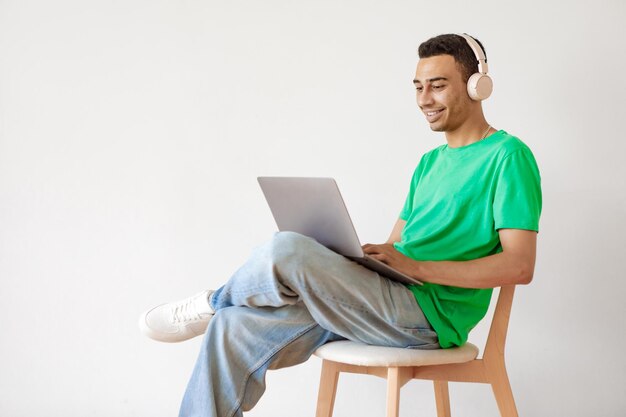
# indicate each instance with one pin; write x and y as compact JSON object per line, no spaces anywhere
{"x":469,"y":224}
{"x":471,"y":218}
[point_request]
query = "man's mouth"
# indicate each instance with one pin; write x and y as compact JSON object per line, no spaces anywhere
{"x":433,"y":115}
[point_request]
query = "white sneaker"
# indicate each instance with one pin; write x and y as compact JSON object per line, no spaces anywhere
{"x":178,"y":321}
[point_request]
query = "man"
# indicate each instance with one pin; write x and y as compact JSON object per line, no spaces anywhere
{"x":469,"y":224}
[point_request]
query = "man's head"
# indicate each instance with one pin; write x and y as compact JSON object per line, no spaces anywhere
{"x":455,"y":45}
{"x":446,"y":63}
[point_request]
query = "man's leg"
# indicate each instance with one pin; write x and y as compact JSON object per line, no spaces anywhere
{"x":341,"y":295}
{"x":292,"y":296}
{"x":240,"y":345}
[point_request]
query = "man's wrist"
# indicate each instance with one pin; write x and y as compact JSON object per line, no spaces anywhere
{"x":417,"y":269}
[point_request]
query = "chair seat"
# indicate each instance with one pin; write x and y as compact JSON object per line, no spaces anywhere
{"x":360,"y":354}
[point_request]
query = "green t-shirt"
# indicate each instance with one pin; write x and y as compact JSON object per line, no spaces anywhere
{"x":458,"y":199}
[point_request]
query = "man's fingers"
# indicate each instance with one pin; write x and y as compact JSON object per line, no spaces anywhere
{"x":380,"y":257}
{"x":369,"y":248}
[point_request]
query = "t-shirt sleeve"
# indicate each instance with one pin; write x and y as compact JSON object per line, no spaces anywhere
{"x":407,"y":209}
{"x":408,"y":205}
{"x":517,"y":201}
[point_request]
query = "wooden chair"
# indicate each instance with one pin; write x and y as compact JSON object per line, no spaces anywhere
{"x":400,"y":365}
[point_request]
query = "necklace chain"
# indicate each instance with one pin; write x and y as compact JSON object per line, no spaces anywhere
{"x":486,"y":131}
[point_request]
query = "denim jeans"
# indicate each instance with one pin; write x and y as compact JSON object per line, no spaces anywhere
{"x":290,"y":297}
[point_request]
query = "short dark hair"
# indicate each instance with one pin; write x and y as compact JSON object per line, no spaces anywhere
{"x":455,"y":45}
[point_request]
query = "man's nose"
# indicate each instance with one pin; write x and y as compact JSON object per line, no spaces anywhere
{"x":424,"y":98}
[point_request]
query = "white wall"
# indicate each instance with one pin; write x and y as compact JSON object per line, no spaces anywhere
{"x":131,"y":133}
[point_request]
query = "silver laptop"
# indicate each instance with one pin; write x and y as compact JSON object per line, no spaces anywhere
{"x":314,"y":207}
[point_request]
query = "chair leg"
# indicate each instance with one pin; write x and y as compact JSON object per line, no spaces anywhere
{"x":396,"y":378}
{"x":442,"y":398}
{"x":502,"y":391}
{"x":327,"y":389}
{"x":393,"y":392}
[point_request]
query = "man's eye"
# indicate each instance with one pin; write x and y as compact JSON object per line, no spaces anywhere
{"x":419,"y":89}
{"x":438,"y":87}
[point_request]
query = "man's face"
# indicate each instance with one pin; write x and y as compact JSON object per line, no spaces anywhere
{"x":442,"y":93}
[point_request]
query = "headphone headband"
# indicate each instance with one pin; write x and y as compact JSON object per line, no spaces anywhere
{"x":478,"y":52}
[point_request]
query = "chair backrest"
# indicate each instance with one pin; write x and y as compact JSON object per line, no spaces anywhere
{"x":496,"y":339}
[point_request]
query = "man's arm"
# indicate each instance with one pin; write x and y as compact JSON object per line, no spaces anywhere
{"x":514,"y":265}
{"x":395,"y":233}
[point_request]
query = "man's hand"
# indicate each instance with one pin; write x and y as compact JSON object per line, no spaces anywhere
{"x":387,"y":254}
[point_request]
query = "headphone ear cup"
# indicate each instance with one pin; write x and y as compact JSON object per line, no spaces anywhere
{"x":479,"y":86}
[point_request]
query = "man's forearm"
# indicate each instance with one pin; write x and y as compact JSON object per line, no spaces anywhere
{"x":514,"y":265}
{"x":488,"y":272}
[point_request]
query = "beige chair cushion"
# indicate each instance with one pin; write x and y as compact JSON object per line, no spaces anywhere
{"x":355,"y":353}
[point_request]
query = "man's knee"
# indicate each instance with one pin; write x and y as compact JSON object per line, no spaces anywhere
{"x":290,"y":239}
{"x":293,"y":253}
{"x":289,"y":245}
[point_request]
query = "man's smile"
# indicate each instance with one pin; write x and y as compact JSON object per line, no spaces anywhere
{"x":433,"y":115}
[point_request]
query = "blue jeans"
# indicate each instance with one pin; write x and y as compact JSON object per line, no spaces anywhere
{"x":292,"y":296}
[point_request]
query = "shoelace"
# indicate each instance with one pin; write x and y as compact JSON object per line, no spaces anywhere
{"x":185,"y":312}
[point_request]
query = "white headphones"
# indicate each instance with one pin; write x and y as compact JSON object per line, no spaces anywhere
{"x":479,"y":85}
